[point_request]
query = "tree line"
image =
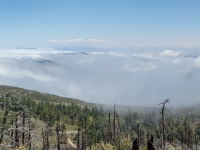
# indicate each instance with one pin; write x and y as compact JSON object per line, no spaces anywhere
{"x":97,"y":128}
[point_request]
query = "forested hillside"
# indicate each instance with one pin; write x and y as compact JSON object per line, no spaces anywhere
{"x":34,"y":120}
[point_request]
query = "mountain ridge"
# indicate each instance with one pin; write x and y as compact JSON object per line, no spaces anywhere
{"x":37,"y":95}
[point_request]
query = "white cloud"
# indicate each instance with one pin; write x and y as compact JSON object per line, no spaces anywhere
{"x":183,"y":43}
{"x":105,"y":76}
{"x":97,"y":40}
{"x":145,"y":55}
{"x":54,"y":40}
{"x":66,"y":41}
{"x":169,"y":53}
{"x":197,"y":62}
{"x":140,"y":67}
{"x":77,"y":41}
{"x":117,"y":54}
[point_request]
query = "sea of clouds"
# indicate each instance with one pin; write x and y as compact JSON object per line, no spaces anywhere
{"x":124,"y":76}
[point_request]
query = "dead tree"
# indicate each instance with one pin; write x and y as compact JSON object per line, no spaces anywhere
{"x":150,"y":145}
{"x":120,"y":130}
{"x":120,"y":135}
{"x":185,"y":137}
{"x":12,"y":133}
{"x":16,"y":132}
{"x":45,"y":137}
{"x":110,"y":129}
{"x":14,"y":128}
{"x":6,"y":110}
{"x":138,"y":138}
{"x":135,"y":144}
{"x":78,"y":140}
{"x":196,"y":142}
{"x":190,"y":135}
{"x":83,"y":140}
{"x":58,"y":135}
{"x":29,"y":134}
{"x":43,"y":140}
{"x":114,"y":125}
{"x":163,"y":131}
{"x":23,"y":125}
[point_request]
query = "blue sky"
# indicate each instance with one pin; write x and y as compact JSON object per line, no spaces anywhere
{"x":82,"y":49}
{"x":100,"y":23}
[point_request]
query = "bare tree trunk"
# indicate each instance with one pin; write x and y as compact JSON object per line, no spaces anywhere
{"x":163,"y":129}
{"x":190,"y":139}
{"x":119,"y":140}
{"x":135,"y":144}
{"x":120,"y":130}
{"x":163,"y":124}
{"x":6,"y":110}
{"x":114,"y":126}
{"x":23,"y":124}
{"x":150,"y":145}
{"x":29,"y":133}
{"x":138,"y":136}
{"x":196,"y":143}
{"x":83,"y":141}
{"x":47,"y":138}
{"x":58,"y":135}
{"x":78,"y":142}
{"x":185,"y":137}
{"x":12,"y":133}
{"x":110,"y":129}
{"x":16,"y":133}
{"x":43,"y":140}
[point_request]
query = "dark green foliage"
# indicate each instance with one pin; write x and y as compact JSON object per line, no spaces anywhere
{"x":182,"y":125}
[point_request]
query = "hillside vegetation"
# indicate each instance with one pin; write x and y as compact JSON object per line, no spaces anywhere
{"x":34,"y":120}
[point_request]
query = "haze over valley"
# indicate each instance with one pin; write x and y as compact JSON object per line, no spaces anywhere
{"x":126,"y":76}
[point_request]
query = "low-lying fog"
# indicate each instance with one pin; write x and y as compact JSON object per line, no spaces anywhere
{"x":143,"y":76}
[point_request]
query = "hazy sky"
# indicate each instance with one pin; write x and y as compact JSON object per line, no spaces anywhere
{"x":104,"y":23}
{"x":133,"y":52}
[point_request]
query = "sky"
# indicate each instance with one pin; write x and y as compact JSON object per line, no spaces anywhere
{"x":131,"y":52}
{"x":99,"y":23}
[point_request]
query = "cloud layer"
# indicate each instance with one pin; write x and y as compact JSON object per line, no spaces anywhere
{"x":124,"y":76}
{"x":79,"y":41}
